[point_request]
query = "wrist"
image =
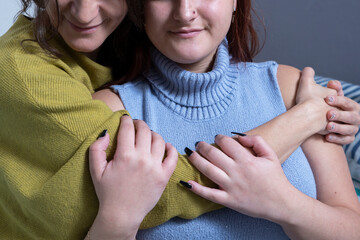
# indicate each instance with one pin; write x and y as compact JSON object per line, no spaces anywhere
{"x":108,"y":227}
{"x":297,"y":212}
{"x":313,"y":112}
{"x":286,"y":214}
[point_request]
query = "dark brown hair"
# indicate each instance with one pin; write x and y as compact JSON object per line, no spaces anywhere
{"x":43,"y":30}
{"x":119,"y":51}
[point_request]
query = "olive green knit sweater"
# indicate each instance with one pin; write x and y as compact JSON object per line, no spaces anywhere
{"x":47,"y":122}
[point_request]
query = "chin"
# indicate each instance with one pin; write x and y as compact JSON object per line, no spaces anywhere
{"x":83,"y":46}
{"x":187,"y":60}
{"x":189,"y":57}
{"x":84,"y":49}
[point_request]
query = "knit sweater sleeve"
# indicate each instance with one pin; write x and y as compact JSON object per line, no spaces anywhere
{"x":48,"y":120}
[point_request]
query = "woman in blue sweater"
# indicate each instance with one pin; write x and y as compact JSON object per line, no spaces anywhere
{"x":200,"y":86}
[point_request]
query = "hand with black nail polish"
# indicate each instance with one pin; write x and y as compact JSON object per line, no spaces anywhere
{"x":131,"y":184}
{"x":250,"y":182}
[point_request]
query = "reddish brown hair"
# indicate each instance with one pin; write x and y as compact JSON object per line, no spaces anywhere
{"x":242,"y":37}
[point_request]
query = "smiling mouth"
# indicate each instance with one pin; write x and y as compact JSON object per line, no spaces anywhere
{"x":187,"y":33}
{"x":87,"y":29}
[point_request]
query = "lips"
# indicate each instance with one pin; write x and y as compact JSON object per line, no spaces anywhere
{"x":84,"y":29}
{"x":187,"y":33}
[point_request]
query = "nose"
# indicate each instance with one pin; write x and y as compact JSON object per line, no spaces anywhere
{"x":185,"y":11}
{"x":84,"y":11}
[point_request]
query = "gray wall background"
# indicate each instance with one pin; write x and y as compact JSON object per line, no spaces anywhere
{"x":324,"y":34}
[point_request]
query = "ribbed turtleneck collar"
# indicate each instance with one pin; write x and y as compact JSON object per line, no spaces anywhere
{"x":193,"y":95}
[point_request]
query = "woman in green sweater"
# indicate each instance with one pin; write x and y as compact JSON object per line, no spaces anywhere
{"x":50,"y":66}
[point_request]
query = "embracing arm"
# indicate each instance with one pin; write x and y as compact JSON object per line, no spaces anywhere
{"x":336,"y":212}
{"x":48,"y":121}
{"x":287,"y":131}
{"x":333,"y":215}
{"x":284,"y":133}
{"x":129,"y":185}
{"x":242,"y":175}
{"x":308,"y":114}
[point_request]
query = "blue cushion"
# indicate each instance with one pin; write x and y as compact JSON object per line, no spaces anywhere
{"x":352,"y":150}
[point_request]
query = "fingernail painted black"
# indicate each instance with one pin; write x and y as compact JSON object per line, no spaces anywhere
{"x":102,"y":134}
{"x":240,"y":134}
{"x":185,"y":184}
{"x":188,"y":151}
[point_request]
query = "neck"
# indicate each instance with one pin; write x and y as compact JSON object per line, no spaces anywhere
{"x":190,"y":94}
{"x":199,"y":67}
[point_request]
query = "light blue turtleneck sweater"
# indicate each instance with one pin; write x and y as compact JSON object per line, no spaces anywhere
{"x":186,"y":107}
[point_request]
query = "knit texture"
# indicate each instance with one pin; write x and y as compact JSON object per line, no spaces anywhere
{"x":194,"y":96}
{"x":187,"y":107}
{"x":48,"y":120}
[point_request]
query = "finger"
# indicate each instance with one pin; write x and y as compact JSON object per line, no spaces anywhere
{"x":336,"y":85}
{"x":230,"y":147}
{"x":211,"y":171}
{"x":126,"y":137}
{"x":170,"y":161}
{"x":143,"y":136}
{"x":339,"y":139}
{"x":344,"y":103}
{"x":348,"y":117}
{"x":259,"y":146}
{"x":215,"y":155}
{"x":157,"y":146}
{"x":342,"y":129}
{"x":306,"y":81}
{"x":211,"y":194}
{"x":307,"y":74}
{"x":97,"y":157}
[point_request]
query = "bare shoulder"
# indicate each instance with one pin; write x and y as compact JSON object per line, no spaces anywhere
{"x":109,"y":98}
{"x":288,"y":79}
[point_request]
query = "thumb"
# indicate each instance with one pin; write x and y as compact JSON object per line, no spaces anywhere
{"x":97,"y":156}
{"x":307,"y":76}
{"x":308,"y":73}
{"x":170,"y":161}
{"x":306,"y":82}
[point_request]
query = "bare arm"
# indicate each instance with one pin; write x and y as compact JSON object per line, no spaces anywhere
{"x":336,"y":212}
{"x":284,"y":133}
{"x":242,"y":175}
{"x":333,"y":215}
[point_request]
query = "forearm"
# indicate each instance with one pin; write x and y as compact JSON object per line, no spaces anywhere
{"x":289,"y":130}
{"x":336,"y":212}
{"x":174,"y":197}
{"x":311,"y":219}
{"x":177,"y":200}
{"x":47,"y":177}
